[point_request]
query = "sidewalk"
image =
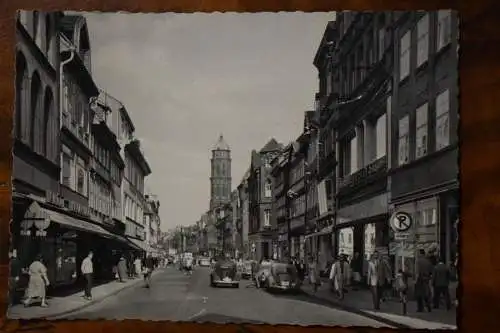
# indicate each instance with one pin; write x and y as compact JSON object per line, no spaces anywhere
{"x":390,"y":310}
{"x":59,"y":306}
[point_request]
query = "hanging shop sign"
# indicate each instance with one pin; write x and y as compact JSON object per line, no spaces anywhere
{"x":69,"y":205}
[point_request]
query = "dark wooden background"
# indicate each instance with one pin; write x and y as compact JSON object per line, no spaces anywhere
{"x":479,"y":160}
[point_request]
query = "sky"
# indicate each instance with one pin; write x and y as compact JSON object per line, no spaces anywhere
{"x":187,"y":78}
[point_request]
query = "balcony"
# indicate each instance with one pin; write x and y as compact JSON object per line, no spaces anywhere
{"x":78,"y":131}
{"x":365,"y":175}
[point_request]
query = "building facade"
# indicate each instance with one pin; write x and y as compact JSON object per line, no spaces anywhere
{"x":36,"y":135}
{"x":236,"y":223}
{"x":423,"y":131}
{"x":359,"y":82}
{"x":136,"y":169}
{"x":220,"y":176}
{"x":244,"y":215}
{"x":152,"y":224}
{"x":262,"y":234}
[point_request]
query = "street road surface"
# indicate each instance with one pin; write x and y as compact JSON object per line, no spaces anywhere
{"x":177,"y":297}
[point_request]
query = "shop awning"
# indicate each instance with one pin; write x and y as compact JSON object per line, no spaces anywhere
{"x":140,"y":245}
{"x":42,"y":218}
{"x":325,"y":231}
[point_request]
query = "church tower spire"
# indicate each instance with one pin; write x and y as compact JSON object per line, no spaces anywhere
{"x":220,"y":178}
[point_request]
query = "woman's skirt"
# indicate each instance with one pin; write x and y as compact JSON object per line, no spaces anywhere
{"x":36,"y":287}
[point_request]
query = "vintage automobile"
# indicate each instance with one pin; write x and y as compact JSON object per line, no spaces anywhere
{"x":247,"y":269}
{"x":281,"y":277}
{"x":225,"y":273}
{"x":204,"y":262}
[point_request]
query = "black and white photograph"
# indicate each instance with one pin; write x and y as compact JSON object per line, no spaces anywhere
{"x":269,"y":168}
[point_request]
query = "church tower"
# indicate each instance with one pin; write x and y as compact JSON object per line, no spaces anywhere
{"x":220,"y":179}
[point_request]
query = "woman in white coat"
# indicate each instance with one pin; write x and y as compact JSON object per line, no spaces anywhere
{"x":339,"y":275}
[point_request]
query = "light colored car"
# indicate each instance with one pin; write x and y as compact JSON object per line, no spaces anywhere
{"x":204,"y":262}
{"x":282,"y":277}
{"x":225,"y":273}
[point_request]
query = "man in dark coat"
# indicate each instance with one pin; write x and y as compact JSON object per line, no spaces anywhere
{"x":149,"y":267}
{"x":422,"y":284}
{"x":441,"y":277}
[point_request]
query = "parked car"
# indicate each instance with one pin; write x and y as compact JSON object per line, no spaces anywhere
{"x":281,"y":277}
{"x":224,"y":273}
{"x":247,"y":269}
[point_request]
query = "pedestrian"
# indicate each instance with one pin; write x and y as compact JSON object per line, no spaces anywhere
{"x":356,"y":268}
{"x":422,"y":283}
{"x":148,"y":270}
{"x":338,"y":274}
{"x":15,"y":274}
{"x":301,"y":270}
{"x":401,"y":286}
{"x":87,"y":269}
{"x":314,"y":278}
{"x":122,"y":269}
{"x":38,"y":282}
{"x":137,"y":266}
{"x":441,"y":277}
{"x":377,"y":277}
{"x":387,"y":286}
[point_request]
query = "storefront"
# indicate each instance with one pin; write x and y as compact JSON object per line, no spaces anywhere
{"x":63,"y":241}
{"x":433,"y":229}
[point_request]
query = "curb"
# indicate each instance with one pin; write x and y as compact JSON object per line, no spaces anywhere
{"x":357,"y":311}
{"x":61,"y":315}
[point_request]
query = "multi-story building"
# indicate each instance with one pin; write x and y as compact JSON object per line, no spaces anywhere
{"x":236,"y":223}
{"x":136,"y":169}
{"x":106,"y":172}
{"x":36,"y":145}
{"x":358,"y":82}
{"x":261,"y":231}
{"x":244,"y":215}
{"x":152,"y":224}
{"x":280,"y":190}
{"x":423,"y":123}
{"x":220,"y":176}
{"x":327,"y":159}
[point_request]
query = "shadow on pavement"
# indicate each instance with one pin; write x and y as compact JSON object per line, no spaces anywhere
{"x":222,"y":319}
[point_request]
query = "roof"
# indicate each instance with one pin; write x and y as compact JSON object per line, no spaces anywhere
{"x":68,"y":24}
{"x":271,"y":145}
{"x":221,"y":144}
{"x":328,"y":36}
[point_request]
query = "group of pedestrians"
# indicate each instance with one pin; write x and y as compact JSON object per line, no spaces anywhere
{"x":140,"y":267}
{"x":431,"y":282}
{"x":38,"y":280}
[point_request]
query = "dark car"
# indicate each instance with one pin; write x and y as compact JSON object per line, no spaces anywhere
{"x":225,"y":273}
{"x":282,"y":277}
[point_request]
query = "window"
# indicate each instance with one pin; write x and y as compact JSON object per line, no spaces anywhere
{"x":328,"y":79}
{"x":427,"y":217}
{"x":404,"y":140}
{"x":421,"y":130}
{"x":444,"y":28}
{"x":66,"y":170}
{"x":268,"y":189}
{"x":381,"y":135}
{"x":267,"y":218}
{"x":423,"y":40}
{"x":381,"y":43}
{"x":443,"y":120}
{"x":404,"y":56}
{"x":80,"y":181}
{"x":354,"y":155}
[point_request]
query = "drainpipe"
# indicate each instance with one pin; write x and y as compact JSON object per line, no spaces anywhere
{"x":61,"y":91}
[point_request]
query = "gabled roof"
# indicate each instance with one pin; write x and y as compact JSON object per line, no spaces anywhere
{"x":271,"y":145}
